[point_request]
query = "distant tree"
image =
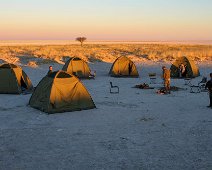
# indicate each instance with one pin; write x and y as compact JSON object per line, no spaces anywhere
{"x":81,"y":40}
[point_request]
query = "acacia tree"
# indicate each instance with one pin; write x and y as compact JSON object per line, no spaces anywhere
{"x":81,"y":40}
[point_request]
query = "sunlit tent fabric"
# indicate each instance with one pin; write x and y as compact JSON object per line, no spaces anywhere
{"x":13,"y":79}
{"x":77,"y":67}
{"x":191,"y":68}
{"x":61,"y":92}
{"x":123,"y":67}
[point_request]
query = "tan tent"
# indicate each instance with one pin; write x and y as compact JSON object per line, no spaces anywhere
{"x":77,"y":67}
{"x":13,"y":79}
{"x":61,"y":92}
{"x":191,"y":68}
{"x":123,"y":67}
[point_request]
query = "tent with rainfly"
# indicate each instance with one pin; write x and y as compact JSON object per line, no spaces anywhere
{"x":77,"y":67}
{"x":61,"y":92}
{"x":191,"y":68}
{"x":123,"y":67}
{"x":13,"y":79}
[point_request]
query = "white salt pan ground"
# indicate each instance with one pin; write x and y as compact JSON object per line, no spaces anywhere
{"x":136,"y":129}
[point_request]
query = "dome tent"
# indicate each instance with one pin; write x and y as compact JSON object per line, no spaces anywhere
{"x":77,"y":67}
{"x":61,"y":92}
{"x":13,"y":80}
{"x":191,"y":68}
{"x":123,"y":67}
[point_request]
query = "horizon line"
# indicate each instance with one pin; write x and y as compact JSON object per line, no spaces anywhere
{"x":74,"y":42}
{"x":108,"y":40}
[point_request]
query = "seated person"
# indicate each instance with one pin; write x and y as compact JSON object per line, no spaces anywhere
{"x":182,"y":70}
{"x":184,"y":73}
{"x":23,"y":85}
{"x":92,"y":75}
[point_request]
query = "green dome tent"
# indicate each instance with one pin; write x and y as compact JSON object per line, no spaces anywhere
{"x":61,"y":92}
{"x":191,"y":68}
{"x":13,"y":80}
{"x":77,"y":67}
{"x":123,"y":67}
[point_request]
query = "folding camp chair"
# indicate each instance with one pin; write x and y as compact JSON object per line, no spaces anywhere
{"x":200,"y":87}
{"x":195,"y":89}
{"x":152,"y":77}
{"x":92,"y":75}
{"x":188,"y":81}
{"x":202,"y":83}
{"x":113,"y":89}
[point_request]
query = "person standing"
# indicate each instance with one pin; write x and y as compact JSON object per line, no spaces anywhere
{"x":130,"y":66}
{"x":166,"y":79}
{"x":209,"y":87}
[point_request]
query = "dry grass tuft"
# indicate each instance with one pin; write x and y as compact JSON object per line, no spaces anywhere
{"x":104,"y":52}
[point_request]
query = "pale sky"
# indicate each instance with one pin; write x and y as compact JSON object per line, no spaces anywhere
{"x":136,"y":20}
